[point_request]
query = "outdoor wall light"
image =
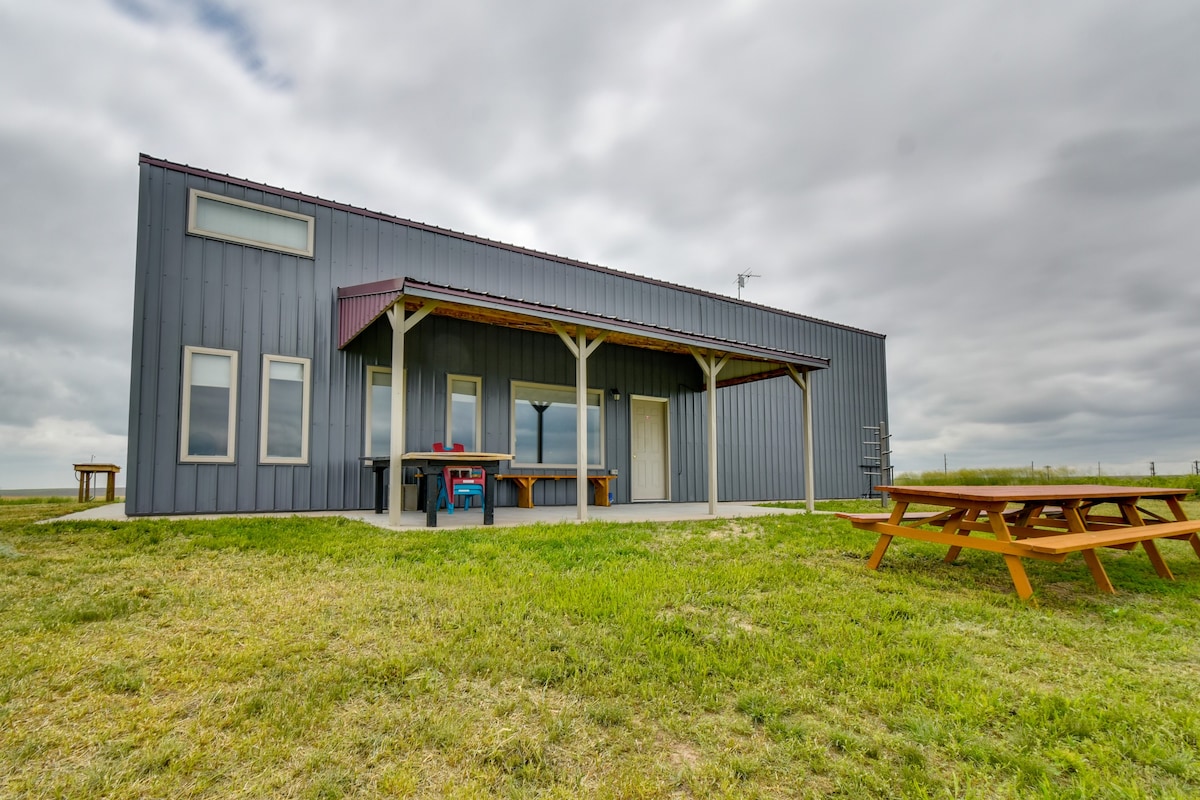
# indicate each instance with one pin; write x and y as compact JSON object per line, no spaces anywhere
{"x":615,"y":394}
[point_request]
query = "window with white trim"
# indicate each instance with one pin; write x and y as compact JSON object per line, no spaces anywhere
{"x":218,"y":217}
{"x":543,"y":424}
{"x":207,"y":424}
{"x":464,"y":411}
{"x":283,"y":433}
{"x":379,"y":411}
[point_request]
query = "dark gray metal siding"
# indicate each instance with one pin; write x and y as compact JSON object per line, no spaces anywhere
{"x":193,"y":291}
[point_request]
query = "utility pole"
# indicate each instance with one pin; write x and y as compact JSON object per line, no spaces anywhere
{"x":1152,"y":473}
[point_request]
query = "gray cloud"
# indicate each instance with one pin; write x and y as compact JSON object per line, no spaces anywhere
{"x":1008,"y":192}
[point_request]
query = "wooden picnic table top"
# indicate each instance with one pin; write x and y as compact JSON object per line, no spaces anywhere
{"x":1033,"y":493}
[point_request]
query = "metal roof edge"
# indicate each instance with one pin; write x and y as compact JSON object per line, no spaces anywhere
{"x":143,"y":158}
{"x":431,"y":291}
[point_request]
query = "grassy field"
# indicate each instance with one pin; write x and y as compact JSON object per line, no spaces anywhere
{"x":324,"y":658}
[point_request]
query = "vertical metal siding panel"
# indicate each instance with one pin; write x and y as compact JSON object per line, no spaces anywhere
{"x":305,"y":339}
{"x":249,"y":347}
{"x":141,"y":467}
{"x":340,"y":275}
{"x":289,"y":306}
{"x":229,"y":297}
{"x":322,"y":427}
{"x":169,"y":333}
{"x":370,"y":249}
{"x":354,"y":248}
{"x":346,"y":377}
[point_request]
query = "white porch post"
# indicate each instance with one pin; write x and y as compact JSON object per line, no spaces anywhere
{"x":396,"y":449}
{"x":805,"y":383}
{"x":581,"y":455}
{"x":711,"y":367}
{"x":580,"y":348}
{"x":400,"y":326}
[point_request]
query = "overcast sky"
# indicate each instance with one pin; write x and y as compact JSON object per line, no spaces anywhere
{"x":1009,"y":191}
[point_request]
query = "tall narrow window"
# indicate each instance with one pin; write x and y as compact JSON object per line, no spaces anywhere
{"x":206,"y":431}
{"x":544,"y":426}
{"x":379,"y":411}
{"x":283,"y":437}
{"x":464,"y":412}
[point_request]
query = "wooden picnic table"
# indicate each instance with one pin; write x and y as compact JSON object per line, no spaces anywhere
{"x":1045,"y":523}
{"x":85,"y":474}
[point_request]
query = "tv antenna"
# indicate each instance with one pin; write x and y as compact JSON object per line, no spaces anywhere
{"x":741,"y":280}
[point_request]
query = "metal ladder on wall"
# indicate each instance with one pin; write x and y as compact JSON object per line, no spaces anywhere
{"x":877,"y":460}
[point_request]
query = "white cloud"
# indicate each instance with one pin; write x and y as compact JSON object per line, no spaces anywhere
{"x":41,"y":455}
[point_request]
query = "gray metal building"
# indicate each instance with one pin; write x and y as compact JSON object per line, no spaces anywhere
{"x":265,"y":323}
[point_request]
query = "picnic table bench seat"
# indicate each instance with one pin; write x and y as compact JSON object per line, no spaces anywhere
{"x":910,"y":516}
{"x":1114,"y":537}
{"x":526,"y":480}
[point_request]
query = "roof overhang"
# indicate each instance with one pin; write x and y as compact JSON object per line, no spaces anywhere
{"x":360,"y":306}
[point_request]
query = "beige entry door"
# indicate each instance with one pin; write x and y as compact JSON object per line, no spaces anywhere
{"x":648,"y":449}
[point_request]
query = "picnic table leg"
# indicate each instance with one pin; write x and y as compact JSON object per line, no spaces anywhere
{"x":1177,"y":510}
{"x":1098,"y":573}
{"x":1194,"y":540}
{"x":1016,"y":569}
{"x":885,"y":539}
{"x":1020,"y":580}
{"x":1156,"y":560}
{"x":953,"y":552}
{"x":880,"y":548}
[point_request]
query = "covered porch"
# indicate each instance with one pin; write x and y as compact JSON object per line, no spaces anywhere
{"x":406,"y":302}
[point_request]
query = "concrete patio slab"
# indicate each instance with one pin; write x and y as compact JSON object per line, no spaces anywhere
{"x":505,"y":517}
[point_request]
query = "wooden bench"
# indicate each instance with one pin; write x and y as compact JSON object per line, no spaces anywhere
{"x":1112,"y":537}
{"x":884,"y":517}
{"x":1125,"y":537}
{"x":525,"y":481}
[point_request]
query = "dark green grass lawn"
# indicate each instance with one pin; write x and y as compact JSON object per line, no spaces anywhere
{"x":323,"y":658}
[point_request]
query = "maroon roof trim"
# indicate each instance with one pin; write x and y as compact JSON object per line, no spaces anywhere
{"x":359,"y":306}
{"x":308,"y":198}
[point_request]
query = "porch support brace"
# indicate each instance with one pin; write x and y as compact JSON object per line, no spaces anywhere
{"x":711,"y":367}
{"x":400,"y":326}
{"x":804,"y":381}
{"x":581,"y":349}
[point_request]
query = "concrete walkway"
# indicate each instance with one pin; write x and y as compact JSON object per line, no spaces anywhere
{"x":626,"y":512}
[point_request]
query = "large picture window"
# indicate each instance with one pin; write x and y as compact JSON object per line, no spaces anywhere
{"x":379,"y":411}
{"x":464,"y":412}
{"x":219,"y":217}
{"x":544,"y":426}
{"x":283,"y":437}
{"x":209,"y":397}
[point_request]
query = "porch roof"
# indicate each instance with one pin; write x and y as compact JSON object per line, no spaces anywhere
{"x":359,"y":306}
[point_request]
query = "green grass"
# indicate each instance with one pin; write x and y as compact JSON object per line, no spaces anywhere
{"x":325,"y":658}
{"x":16,"y":510}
